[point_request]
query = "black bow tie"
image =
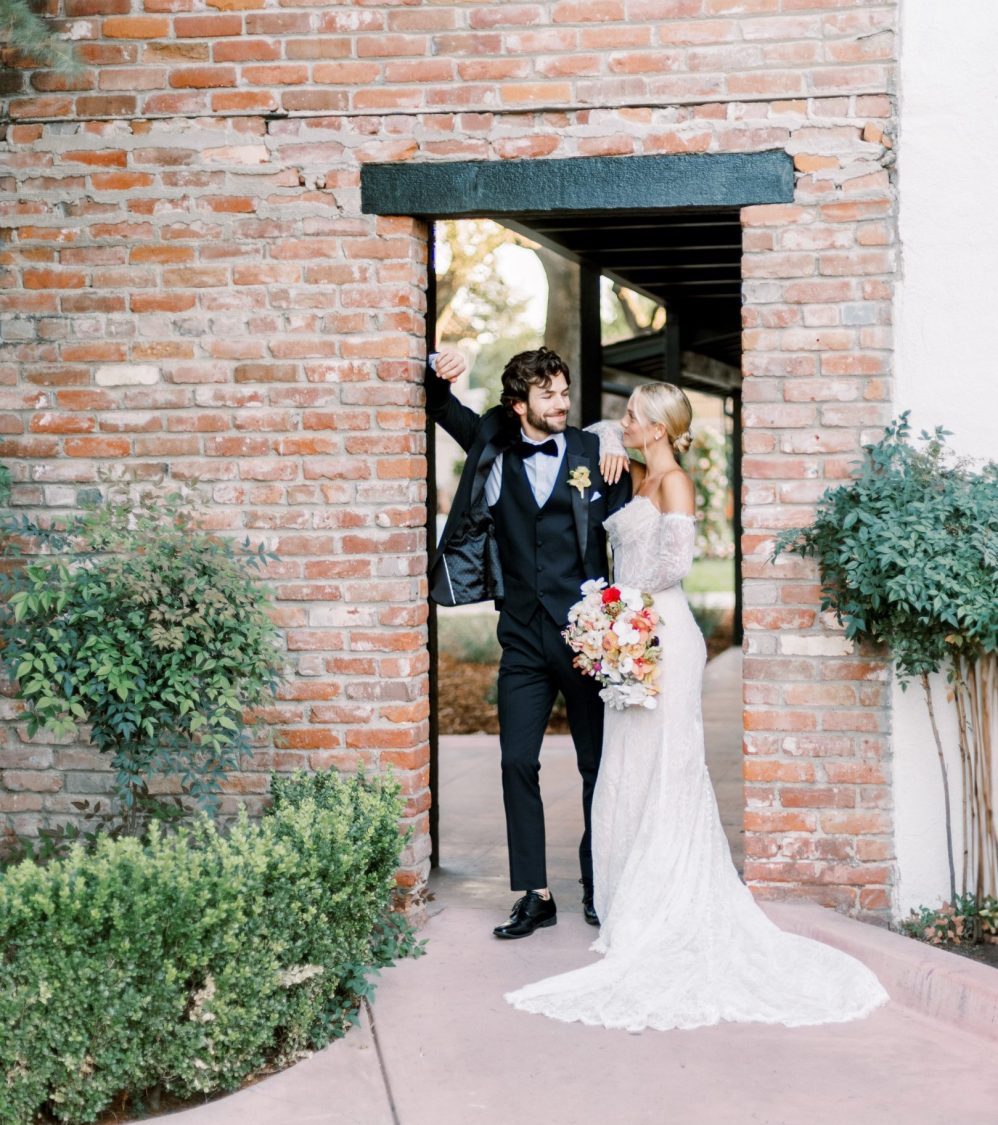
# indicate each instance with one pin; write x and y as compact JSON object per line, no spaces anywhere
{"x":527,"y":449}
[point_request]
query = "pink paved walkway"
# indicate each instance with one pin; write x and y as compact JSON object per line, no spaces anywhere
{"x":447,"y":1050}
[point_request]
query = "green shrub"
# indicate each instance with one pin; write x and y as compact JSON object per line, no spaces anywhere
{"x":907,"y":551}
{"x":149,"y":630}
{"x":965,"y":921}
{"x":470,"y":638}
{"x":908,"y":557}
{"x":24,"y":31}
{"x":708,"y":617}
{"x":185,"y":963}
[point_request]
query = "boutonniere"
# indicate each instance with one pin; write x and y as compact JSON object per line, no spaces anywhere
{"x":579,"y":478}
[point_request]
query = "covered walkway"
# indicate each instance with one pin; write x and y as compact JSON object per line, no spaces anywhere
{"x":472,"y":828}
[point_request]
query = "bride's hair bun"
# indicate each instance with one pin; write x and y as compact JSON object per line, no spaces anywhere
{"x":683,"y":442}
{"x":666,"y":405}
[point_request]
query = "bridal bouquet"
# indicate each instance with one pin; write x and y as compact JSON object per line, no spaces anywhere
{"x":611,"y":630}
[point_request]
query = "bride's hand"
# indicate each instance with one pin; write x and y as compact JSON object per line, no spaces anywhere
{"x":612,"y":466}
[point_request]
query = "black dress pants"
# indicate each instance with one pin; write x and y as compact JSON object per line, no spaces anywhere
{"x":536,"y":664}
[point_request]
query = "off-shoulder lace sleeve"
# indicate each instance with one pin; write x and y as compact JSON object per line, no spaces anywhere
{"x":611,"y":442}
{"x":676,"y":536}
{"x":652,"y":550}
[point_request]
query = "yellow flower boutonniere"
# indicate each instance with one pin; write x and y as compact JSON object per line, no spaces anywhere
{"x":579,"y":478}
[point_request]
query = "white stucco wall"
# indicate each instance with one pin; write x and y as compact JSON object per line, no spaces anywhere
{"x":947,"y":323}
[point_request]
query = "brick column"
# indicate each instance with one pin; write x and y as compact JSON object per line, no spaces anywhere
{"x":817,"y":385}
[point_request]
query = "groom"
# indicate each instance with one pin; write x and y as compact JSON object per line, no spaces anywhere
{"x":526,"y":528}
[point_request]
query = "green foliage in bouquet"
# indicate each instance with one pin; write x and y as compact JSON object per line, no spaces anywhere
{"x":181,"y":964}
{"x":151,"y":632}
{"x":908,"y":557}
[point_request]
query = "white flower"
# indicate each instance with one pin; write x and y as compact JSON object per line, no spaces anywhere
{"x":592,"y":586}
{"x":631,"y":597}
{"x":626,"y":632}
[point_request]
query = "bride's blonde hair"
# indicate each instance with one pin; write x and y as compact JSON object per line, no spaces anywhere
{"x":666,"y":405}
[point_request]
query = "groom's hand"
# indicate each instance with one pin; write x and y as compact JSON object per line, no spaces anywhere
{"x":612,"y":466}
{"x":450,"y":365}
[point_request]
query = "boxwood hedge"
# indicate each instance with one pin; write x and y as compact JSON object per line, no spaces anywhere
{"x":184,"y":962}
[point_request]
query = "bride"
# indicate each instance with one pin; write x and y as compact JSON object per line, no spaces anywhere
{"x":685,"y":944}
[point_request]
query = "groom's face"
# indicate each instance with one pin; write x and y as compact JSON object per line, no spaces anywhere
{"x":546,"y":409}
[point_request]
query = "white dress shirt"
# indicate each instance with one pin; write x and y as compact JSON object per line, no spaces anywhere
{"x":542,"y":471}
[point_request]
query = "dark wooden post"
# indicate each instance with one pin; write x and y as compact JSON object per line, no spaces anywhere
{"x":590,"y":344}
{"x":736,"y":491}
{"x":431,"y":540}
{"x":673,"y":351}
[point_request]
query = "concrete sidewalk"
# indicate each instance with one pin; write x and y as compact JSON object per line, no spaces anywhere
{"x":445,"y":1049}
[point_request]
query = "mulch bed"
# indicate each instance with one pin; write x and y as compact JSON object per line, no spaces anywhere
{"x":986,"y":953}
{"x":464,"y":705}
{"x":467,"y":691}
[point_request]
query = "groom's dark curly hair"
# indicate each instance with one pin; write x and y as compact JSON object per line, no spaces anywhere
{"x":530,"y":369}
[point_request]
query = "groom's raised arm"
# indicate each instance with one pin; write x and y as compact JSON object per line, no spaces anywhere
{"x":460,"y":421}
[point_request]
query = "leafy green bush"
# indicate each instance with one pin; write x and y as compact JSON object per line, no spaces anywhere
{"x":908,"y":557}
{"x":965,"y":921}
{"x":908,"y":551}
{"x":151,"y":631}
{"x":186,"y":963}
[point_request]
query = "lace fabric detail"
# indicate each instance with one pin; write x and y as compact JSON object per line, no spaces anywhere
{"x":611,"y":439}
{"x":652,"y":550}
{"x":684,"y":943}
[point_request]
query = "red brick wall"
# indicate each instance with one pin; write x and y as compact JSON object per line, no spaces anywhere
{"x":191,"y":291}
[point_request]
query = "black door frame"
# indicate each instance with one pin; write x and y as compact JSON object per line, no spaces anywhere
{"x":517,"y":190}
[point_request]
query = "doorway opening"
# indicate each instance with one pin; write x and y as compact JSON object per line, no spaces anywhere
{"x":661,"y":237}
{"x":499,"y":292}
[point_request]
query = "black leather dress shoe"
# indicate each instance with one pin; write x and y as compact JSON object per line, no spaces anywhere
{"x":529,"y":913}
{"x":588,"y":910}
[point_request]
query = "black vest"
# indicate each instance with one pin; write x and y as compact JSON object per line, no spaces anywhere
{"x":538,"y":547}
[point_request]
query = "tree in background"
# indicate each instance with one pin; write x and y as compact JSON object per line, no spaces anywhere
{"x":476,"y":302}
{"x":707,"y":464}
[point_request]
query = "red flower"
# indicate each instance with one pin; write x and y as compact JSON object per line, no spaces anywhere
{"x":610,"y":595}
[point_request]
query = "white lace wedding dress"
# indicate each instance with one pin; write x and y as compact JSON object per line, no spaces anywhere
{"x":685,"y":943}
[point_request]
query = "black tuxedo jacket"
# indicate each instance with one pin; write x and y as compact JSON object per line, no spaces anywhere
{"x":465,"y":566}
